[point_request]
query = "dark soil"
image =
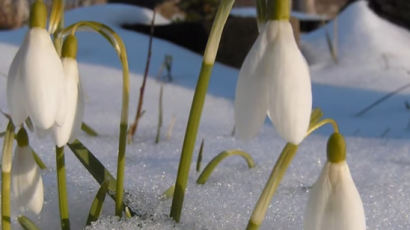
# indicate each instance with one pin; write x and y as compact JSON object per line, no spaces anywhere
{"x":237,"y":38}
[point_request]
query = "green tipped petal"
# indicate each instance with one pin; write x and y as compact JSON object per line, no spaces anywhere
{"x":38,"y":15}
{"x":336,"y":148}
{"x":22,"y":138}
{"x":70,"y":47}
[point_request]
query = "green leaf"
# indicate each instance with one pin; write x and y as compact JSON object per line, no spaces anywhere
{"x":221,"y":156}
{"x":26,"y":223}
{"x":168,"y":193}
{"x":87,"y":129}
{"x":95,"y":167}
{"x":96,"y":206}
{"x":38,"y":160}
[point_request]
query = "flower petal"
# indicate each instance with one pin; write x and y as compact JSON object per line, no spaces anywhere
{"x":334,"y":201}
{"x":251,"y":99}
{"x":26,"y":182}
{"x":15,"y":92}
{"x":78,"y":115}
{"x":290,"y":97}
{"x":68,"y":108}
{"x":42,"y":74}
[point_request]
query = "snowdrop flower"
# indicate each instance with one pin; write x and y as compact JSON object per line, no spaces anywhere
{"x":35,"y":76}
{"x":71,"y":98}
{"x":274,"y":80}
{"x":26,"y":182}
{"x":334,"y":201}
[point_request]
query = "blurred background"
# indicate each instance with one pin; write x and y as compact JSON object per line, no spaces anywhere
{"x":14,"y":13}
{"x":192,"y":19}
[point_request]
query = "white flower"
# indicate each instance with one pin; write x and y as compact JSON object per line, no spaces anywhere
{"x":35,"y":80}
{"x":274,"y":80}
{"x":334,"y":202}
{"x":26,"y":183}
{"x":79,"y":114}
{"x":62,"y":133}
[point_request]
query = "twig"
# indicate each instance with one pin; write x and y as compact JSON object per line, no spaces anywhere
{"x":380,"y":100}
{"x":134,"y":126}
{"x":160,"y":111}
{"x":171,"y":127}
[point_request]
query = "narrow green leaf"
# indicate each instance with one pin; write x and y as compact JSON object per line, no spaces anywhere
{"x":199,"y":159}
{"x":221,"y":156}
{"x":95,"y":167}
{"x":38,"y":160}
{"x":315,"y":116}
{"x":26,"y":223}
{"x":160,"y":114}
{"x":96,"y":206}
{"x":87,"y":129}
{"x":168,"y":193}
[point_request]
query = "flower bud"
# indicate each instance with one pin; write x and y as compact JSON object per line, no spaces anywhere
{"x":38,"y":15}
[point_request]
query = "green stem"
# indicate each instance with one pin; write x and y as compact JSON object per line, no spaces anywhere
{"x":278,"y":9}
{"x":322,"y":123}
{"x":191,"y":132}
{"x":276,"y":176}
{"x":120,"y":171}
{"x":280,"y":168}
{"x":119,"y":47}
{"x":221,"y":156}
{"x":6,"y":163}
{"x":62,"y":190}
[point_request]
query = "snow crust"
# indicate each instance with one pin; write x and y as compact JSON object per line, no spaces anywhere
{"x":377,"y":143}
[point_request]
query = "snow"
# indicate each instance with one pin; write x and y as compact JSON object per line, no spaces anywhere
{"x":378,"y":146}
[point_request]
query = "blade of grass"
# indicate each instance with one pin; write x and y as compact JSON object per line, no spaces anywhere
{"x":26,"y":223}
{"x":219,"y":158}
{"x":96,"y":206}
{"x":88,"y":130}
{"x":38,"y":160}
{"x":95,"y":167}
{"x":200,"y":154}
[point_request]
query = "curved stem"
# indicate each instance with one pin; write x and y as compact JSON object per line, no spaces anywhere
{"x":6,"y":163}
{"x":221,"y":156}
{"x":191,"y":132}
{"x":119,"y":46}
{"x":56,"y":15}
{"x":62,"y":189}
{"x":275,"y":178}
{"x":322,"y":123}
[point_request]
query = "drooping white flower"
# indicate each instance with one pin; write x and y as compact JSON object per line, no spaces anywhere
{"x":35,"y":77}
{"x":274,"y":80}
{"x":334,"y":202}
{"x":63,"y":132}
{"x":26,"y":183}
{"x":79,"y":114}
{"x":71,"y":95}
